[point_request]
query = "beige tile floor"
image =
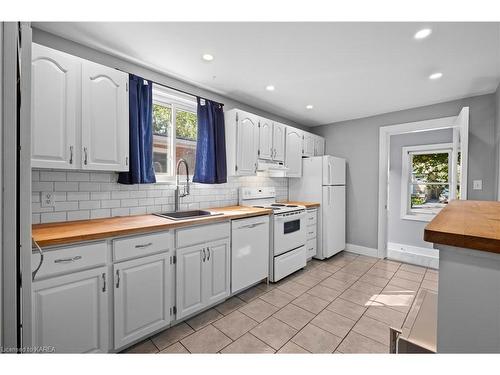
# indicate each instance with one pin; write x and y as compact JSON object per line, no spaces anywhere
{"x":342,"y":305}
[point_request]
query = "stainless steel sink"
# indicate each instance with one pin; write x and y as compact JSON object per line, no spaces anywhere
{"x":183,"y":215}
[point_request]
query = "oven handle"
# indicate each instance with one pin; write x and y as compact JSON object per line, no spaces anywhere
{"x":291,"y":217}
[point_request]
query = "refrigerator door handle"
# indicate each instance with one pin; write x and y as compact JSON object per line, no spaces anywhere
{"x":329,"y":195}
{"x":329,"y":173}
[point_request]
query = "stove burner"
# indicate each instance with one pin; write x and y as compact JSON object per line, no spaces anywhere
{"x":276,"y":208}
{"x":291,"y":205}
{"x":278,"y":205}
{"x":259,"y":206}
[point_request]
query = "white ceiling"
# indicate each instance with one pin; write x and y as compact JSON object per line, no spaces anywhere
{"x":346,"y":70}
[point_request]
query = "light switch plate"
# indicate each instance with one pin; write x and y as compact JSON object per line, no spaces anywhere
{"x":47,"y":199}
{"x":477,"y":184}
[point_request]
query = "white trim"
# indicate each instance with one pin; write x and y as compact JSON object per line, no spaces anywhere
{"x":385,"y":133}
{"x":405,"y":210}
{"x":362,"y":250}
{"x":420,"y":256}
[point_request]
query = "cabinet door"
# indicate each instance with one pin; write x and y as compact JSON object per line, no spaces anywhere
{"x":293,"y":153}
{"x":55,"y":78}
{"x":189,"y":280}
{"x":247,"y":144}
{"x":70,"y":313}
{"x":308,"y":146}
{"x":319,"y":146}
{"x":279,"y":142}
{"x":217,"y":274}
{"x":265,"y":139}
{"x":142,"y":297}
{"x":105,"y":122}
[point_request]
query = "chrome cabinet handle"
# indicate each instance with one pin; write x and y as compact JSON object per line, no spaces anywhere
{"x":85,"y":155}
{"x":71,"y":154}
{"x":117,"y":279}
{"x":204,"y":255}
{"x":103,"y":282}
{"x":255,"y":167}
{"x":208,"y":250}
{"x":33,"y":274}
{"x":141,"y":246}
{"x":68,"y":260}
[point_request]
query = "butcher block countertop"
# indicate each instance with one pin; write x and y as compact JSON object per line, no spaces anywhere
{"x":85,"y":230}
{"x":469,"y":224}
{"x":306,"y":204}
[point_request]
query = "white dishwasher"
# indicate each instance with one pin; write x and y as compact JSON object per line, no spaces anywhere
{"x":249,"y":252}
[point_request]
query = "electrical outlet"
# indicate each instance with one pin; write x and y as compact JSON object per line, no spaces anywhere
{"x":47,"y":199}
{"x":477,"y":184}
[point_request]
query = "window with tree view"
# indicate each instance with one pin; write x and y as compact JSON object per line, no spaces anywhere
{"x":174,"y":130}
{"x":427,"y":176}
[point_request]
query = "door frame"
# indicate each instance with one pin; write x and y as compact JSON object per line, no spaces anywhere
{"x":385,"y":133}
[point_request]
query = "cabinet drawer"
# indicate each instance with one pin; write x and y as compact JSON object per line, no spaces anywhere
{"x":311,"y":232}
{"x":69,"y":259}
{"x":311,"y":248}
{"x":289,"y":262}
{"x":139,"y":246}
{"x":203,"y":233}
{"x":311,"y":217}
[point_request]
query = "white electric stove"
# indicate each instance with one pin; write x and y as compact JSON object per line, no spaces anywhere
{"x":288,"y":230}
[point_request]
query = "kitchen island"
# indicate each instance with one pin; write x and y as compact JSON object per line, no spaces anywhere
{"x":467,"y":234}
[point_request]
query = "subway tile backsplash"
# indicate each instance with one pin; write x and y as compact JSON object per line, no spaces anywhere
{"x":92,"y":195}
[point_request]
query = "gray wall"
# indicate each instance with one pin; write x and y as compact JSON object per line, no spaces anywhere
{"x":497,"y":138}
{"x":56,"y":42}
{"x":408,"y":232}
{"x":357,"y":141}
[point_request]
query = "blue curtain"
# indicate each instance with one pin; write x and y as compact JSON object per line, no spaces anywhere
{"x":141,"y":169}
{"x":210,"y":167}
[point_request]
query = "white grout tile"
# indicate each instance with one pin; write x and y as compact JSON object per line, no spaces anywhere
{"x":78,"y":215}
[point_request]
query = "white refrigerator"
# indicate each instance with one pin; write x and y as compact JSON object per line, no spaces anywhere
{"x":323,"y":181}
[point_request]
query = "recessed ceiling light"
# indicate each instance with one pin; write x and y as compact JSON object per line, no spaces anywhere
{"x":270,"y":88}
{"x":309,"y":106}
{"x":436,"y":75}
{"x":207,"y":57}
{"x":422,"y":34}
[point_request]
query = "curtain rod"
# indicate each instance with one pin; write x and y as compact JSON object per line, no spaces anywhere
{"x":173,"y":88}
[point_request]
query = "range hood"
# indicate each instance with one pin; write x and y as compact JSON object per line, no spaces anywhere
{"x":272,"y":168}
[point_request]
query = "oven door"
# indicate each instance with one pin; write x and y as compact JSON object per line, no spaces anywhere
{"x":289,"y":231}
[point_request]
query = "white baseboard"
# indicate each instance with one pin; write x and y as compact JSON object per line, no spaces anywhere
{"x":362,"y":250}
{"x":421,"y":256}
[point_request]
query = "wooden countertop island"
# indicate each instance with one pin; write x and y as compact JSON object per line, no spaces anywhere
{"x":467,"y":235}
{"x":470,"y":224}
{"x":85,"y":230}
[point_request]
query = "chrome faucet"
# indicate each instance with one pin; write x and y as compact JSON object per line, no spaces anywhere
{"x":185,"y":191}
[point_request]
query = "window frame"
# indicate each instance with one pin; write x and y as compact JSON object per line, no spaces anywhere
{"x":176,"y":101}
{"x":439,"y":148}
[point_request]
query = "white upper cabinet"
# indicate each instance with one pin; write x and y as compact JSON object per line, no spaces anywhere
{"x":293,"y":154}
{"x":105,"y":125}
{"x":242,"y":142}
{"x":319,"y":146}
{"x":279,"y":134}
{"x":265,"y":139}
{"x":308,"y":145}
{"x":55,"y":78}
{"x":79,"y":113}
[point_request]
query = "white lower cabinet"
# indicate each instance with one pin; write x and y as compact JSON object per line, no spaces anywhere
{"x":141,"y":297}
{"x":202,"y":276}
{"x":70,"y":312}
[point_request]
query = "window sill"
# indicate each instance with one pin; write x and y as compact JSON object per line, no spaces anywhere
{"x":171,"y":180}
{"x":418,"y":217}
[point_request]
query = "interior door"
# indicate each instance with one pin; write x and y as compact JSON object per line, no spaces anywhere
{"x":55,"y":93}
{"x":217,"y":275}
{"x":189,"y":280}
{"x":70,"y":313}
{"x":247,"y":145}
{"x":265,"y":139}
{"x":461,"y":139}
{"x":142,"y":297}
{"x":105,"y":122}
{"x":293,"y":152}
{"x":333,"y":220}
{"x":279,"y":141}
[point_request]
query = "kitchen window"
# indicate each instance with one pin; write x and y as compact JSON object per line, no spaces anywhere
{"x":174,"y":131}
{"x":426,"y":181}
